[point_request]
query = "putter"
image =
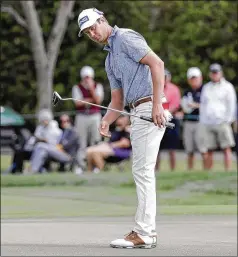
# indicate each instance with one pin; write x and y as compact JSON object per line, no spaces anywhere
{"x":57,"y":98}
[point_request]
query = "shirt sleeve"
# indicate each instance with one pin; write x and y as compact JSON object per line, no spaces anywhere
{"x":134,"y":45}
{"x":38,"y":131}
{"x":76,"y":93}
{"x":231,"y":104}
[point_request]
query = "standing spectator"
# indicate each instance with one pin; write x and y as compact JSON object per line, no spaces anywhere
{"x":190,"y":105}
{"x":170,"y":140}
{"x":62,"y":152}
{"x":217,"y":113}
{"x":88,"y":117}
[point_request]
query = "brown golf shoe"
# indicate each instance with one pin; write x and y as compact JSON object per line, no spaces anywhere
{"x":134,"y":240}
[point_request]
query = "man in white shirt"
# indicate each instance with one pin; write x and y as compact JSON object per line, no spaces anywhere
{"x":88,"y":117}
{"x":217,"y":113}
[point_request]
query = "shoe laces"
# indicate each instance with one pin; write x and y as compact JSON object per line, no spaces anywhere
{"x":131,"y":234}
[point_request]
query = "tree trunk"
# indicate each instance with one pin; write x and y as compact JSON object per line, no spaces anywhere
{"x":45,"y":61}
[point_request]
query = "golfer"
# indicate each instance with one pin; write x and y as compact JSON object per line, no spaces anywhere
{"x":136,"y":76}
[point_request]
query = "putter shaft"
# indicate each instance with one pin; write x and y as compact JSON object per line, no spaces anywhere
{"x":56,"y":95}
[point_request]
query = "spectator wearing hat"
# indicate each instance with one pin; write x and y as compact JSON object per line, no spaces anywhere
{"x":88,"y":117}
{"x":170,"y":141}
{"x":190,"y":105}
{"x":217,"y":113}
{"x":47,"y":131}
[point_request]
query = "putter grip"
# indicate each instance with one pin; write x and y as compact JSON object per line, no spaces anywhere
{"x":167,"y":124}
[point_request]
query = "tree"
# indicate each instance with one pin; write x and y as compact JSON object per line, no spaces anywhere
{"x":182,"y":33}
{"x":44,"y":53}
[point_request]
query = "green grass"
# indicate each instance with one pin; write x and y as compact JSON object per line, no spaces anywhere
{"x":5,"y":161}
{"x":113,"y":193}
{"x":181,"y":165}
{"x":84,"y":201}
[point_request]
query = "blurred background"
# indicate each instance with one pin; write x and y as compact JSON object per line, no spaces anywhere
{"x":41,"y":53}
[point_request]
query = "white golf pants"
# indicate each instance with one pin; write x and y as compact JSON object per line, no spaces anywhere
{"x":145,"y":140}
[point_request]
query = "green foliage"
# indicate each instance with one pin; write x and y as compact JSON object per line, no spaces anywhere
{"x":182,"y":33}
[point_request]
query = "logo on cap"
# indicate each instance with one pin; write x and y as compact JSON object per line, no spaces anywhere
{"x":83,"y":20}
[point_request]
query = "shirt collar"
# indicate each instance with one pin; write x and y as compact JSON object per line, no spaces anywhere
{"x":220,"y":82}
{"x":110,"y":39}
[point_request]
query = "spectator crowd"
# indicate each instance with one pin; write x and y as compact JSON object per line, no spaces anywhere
{"x":208,"y":112}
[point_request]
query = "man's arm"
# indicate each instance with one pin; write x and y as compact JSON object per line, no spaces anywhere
{"x":231,"y":104}
{"x":97,"y":94}
{"x":111,"y":116}
{"x":157,"y":72}
{"x":116,"y":103}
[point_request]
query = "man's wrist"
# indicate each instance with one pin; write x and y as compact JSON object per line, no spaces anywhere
{"x":104,"y":119}
{"x":157,"y":103}
{"x":157,"y":100}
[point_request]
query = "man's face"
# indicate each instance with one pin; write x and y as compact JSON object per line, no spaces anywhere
{"x":64,"y":122}
{"x":195,"y":82}
{"x":215,"y":76}
{"x":97,"y":32}
{"x":122,"y":122}
{"x":45,"y":123}
{"x":87,"y":80}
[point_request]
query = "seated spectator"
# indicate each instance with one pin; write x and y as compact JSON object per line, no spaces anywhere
{"x":62,"y":152}
{"x":118,"y":146}
{"x":47,"y":131}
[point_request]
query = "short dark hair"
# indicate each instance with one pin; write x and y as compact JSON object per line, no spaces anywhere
{"x":65,"y":117}
{"x":102,"y":18}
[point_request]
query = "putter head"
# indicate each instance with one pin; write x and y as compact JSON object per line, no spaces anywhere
{"x":56,"y":98}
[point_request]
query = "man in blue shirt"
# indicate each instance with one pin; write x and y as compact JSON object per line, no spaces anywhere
{"x":136,"y":76}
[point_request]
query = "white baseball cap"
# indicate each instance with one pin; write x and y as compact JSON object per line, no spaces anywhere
{"x":193,"y":72}
{"x":87,"y":71}
{"x":45,"y":114}
{"x":87,"y":18}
